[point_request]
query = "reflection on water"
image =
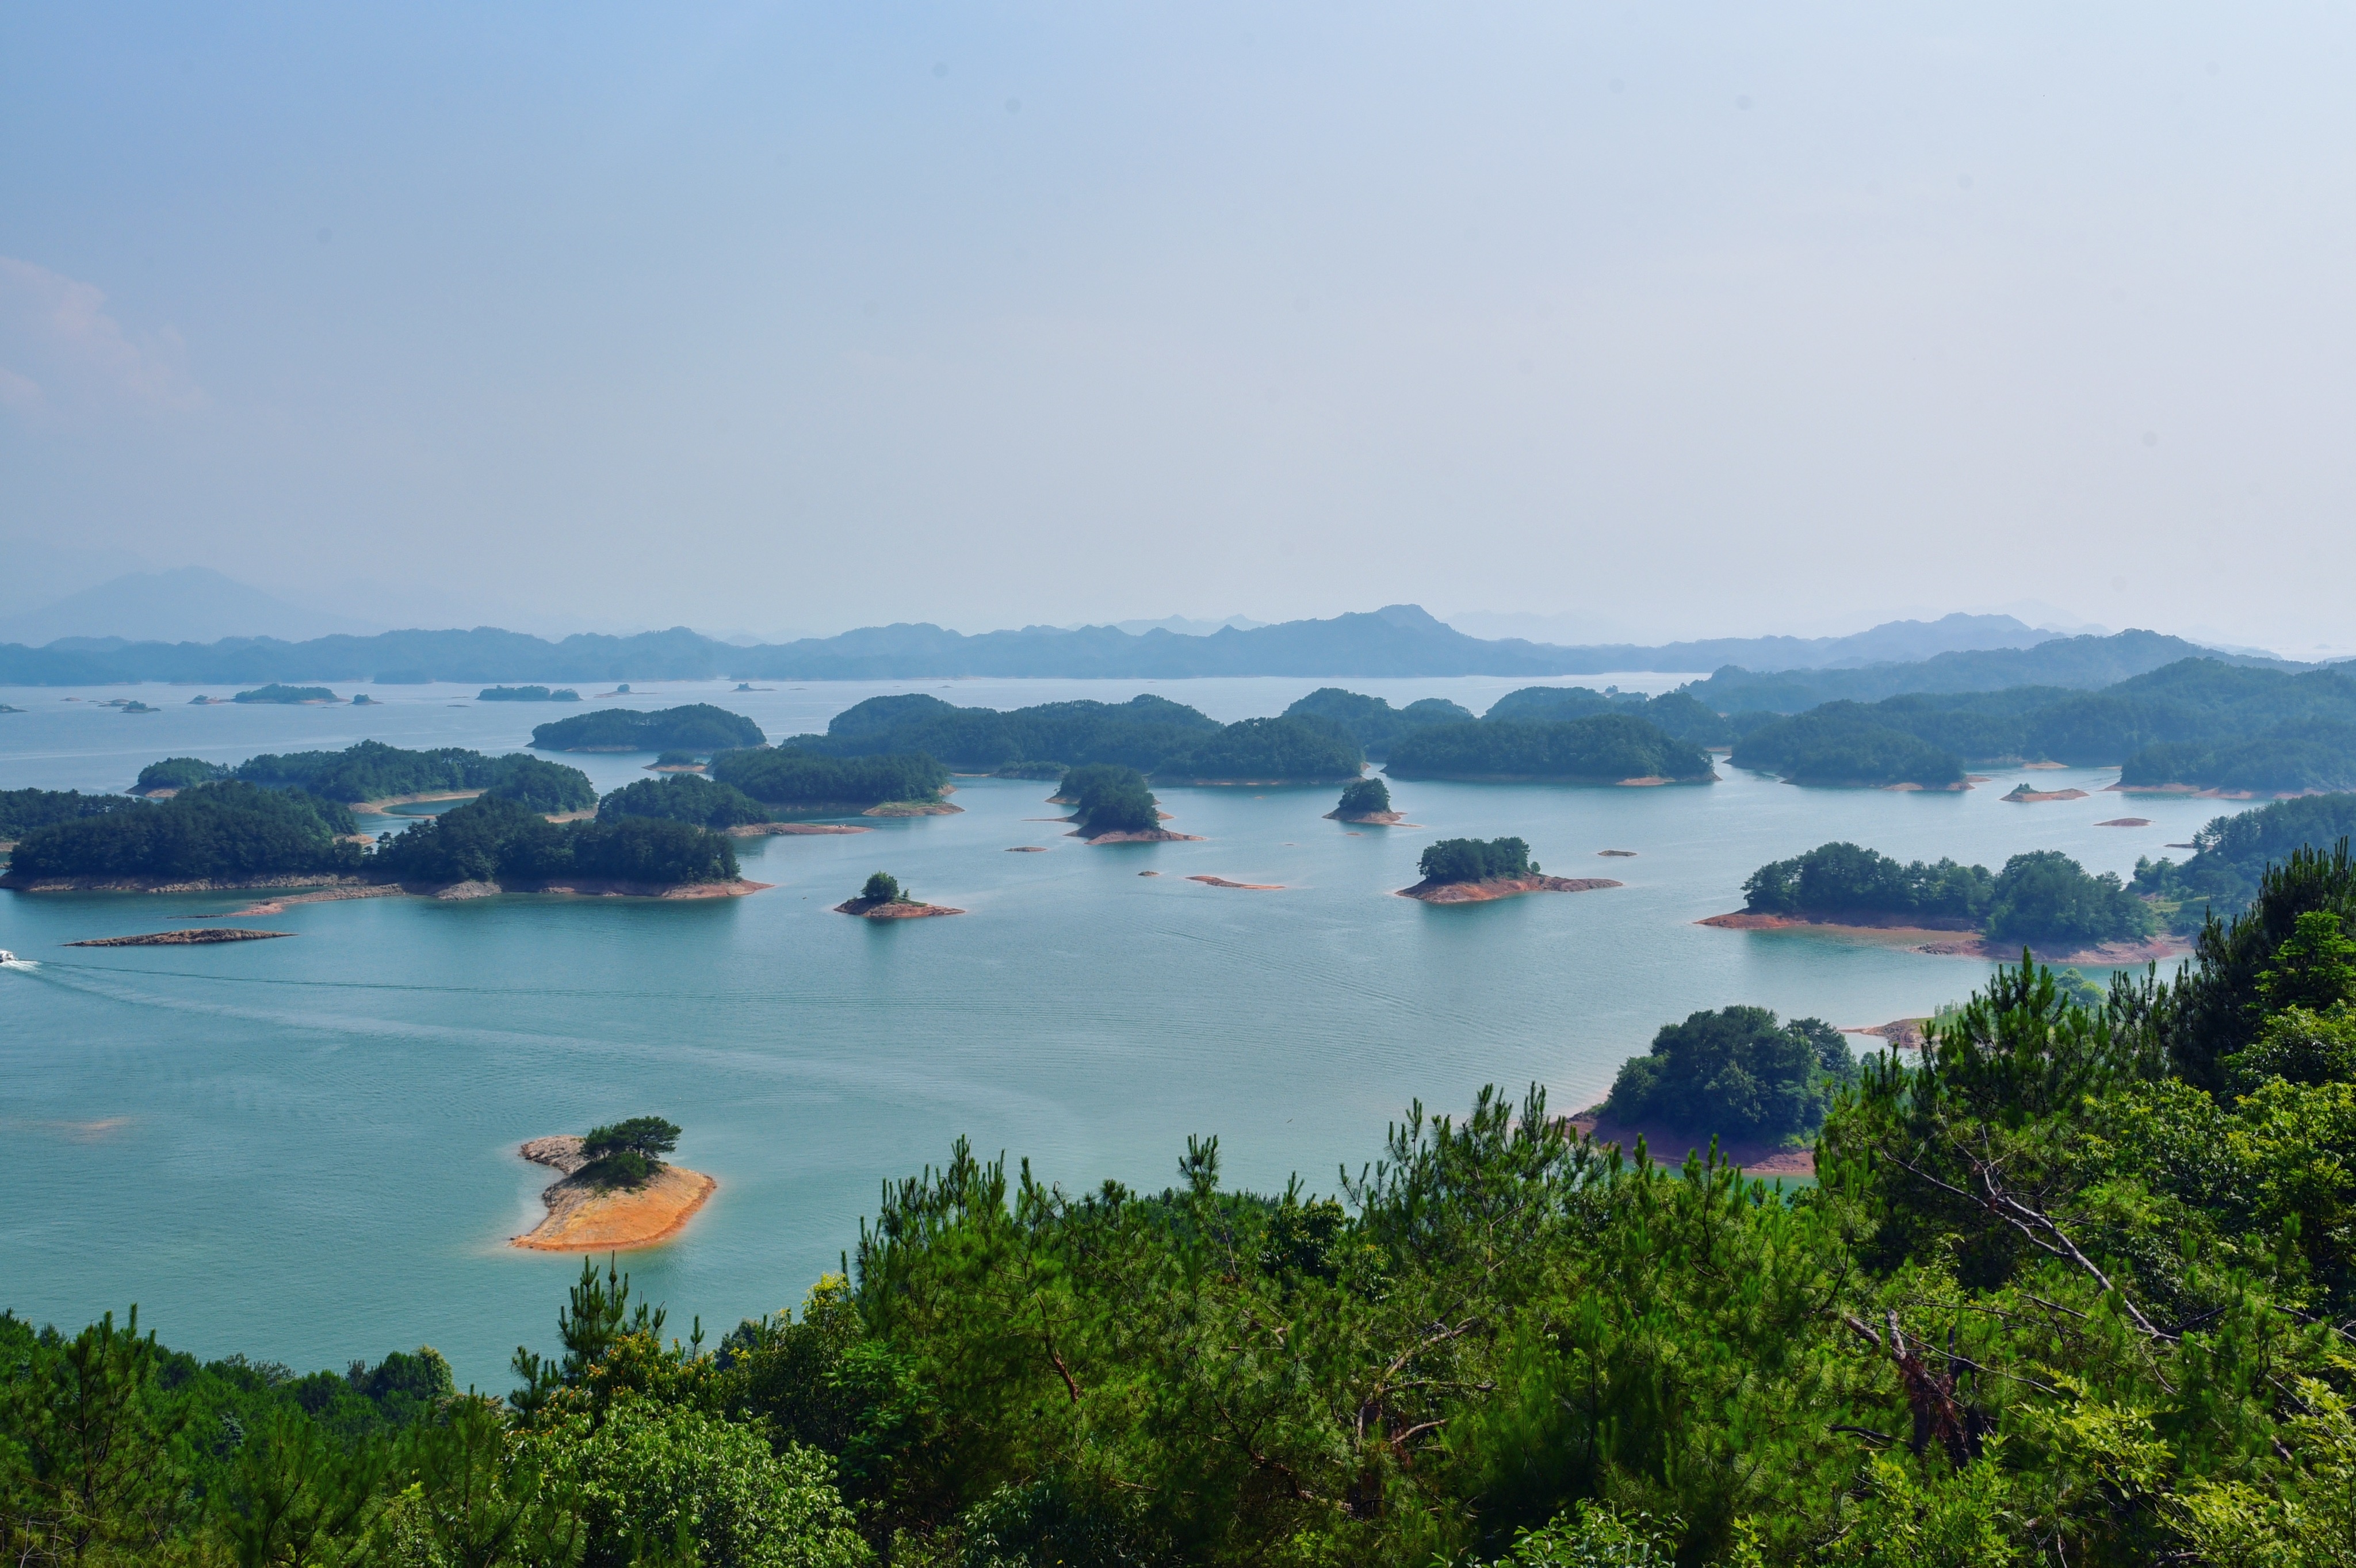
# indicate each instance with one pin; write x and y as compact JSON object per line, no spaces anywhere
{"x":308,"y":1145}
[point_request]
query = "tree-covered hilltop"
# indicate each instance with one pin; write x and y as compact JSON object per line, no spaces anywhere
{"x":1736,"y":1073}
{"x":2042,"y":897}
{"x":2069,"y":1289}
{"x":371,"y":770}
{"x":1269,"y":751}
{"x":527,"y":695}
{"x":683,"y":798}
{"x":223,"y":832}
{"x":1602,"y":749}
{"x":1372,"y":722}
{"x":789,"y":780}
{"x":1364,"y":797}
{"x":1476,"y":860}
{"x":274,"y":693}
{"x":1835,"y":881}
{"x":695,"y":727}
{"x":2201,"y":724}
{"x":22,"y":811}
{"x":178,"y":773}
{"x":2230,"y":854}
{"x":1837,"y":746}
{"x":494,"y":839}
{"x":1109,"y":799}
{"x":1678,"y":715}
{"x":1149,"y":734}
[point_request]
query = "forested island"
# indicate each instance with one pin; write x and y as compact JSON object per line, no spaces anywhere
{"x":2198,"y":725}
{"x":236,"y":832}
{"x":694,"y":727}
{"x":1372,"y":722}
{"x":1604,"y":748}
{"x":371,"y":770}
{"x":1476,"y":871}
{"x":685,"y":798}
{"x":788,"y":780}
{"x":498,"y":844}
{"x":614,"y":1189}
{"x":882,"y":898}
{"x":1837,"y":745}
{"x":274,"y":693}
{"x":231,"y":834}
{"x":2041,"y":899}
{"x":1677,"y":714}
{"x":1734,"y":1074}
{"x":22,"y":811}
{"x":1366,"y":800}
{"x":1174,"y":743}
{"x":1113,"y":805}
{"x":527,"y":695}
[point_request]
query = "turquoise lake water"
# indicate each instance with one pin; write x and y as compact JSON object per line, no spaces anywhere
{"x":305,"y":1150}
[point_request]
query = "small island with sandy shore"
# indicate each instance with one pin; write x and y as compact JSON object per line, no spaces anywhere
{"x":613,"y":1190}
{"x":1368,"y":802}
{"x":1478,"y":871}
{"x":883,"y":899}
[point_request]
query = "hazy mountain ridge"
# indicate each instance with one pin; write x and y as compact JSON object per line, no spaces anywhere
{"x":1399,"y":640}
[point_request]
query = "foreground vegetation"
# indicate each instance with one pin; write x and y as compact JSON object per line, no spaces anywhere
{"x":2042,"y":897}
{"x":22,"y":810}
{"x":2069,"y":1291}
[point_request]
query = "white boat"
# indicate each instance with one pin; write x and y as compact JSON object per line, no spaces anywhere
{"x":6,"y":957}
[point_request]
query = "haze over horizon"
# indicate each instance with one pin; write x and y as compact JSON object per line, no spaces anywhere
{"x":778,"y":320}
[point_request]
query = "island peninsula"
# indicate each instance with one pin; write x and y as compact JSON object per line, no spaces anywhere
{"x":611,"y":1193}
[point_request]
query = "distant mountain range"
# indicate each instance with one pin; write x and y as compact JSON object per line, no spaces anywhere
{"x":1964,"y":652}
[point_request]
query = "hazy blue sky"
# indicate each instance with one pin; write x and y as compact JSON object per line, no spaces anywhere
{"x":1675,"y":319}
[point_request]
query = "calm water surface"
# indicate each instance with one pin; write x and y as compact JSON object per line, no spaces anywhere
{"x":305,"y":1150}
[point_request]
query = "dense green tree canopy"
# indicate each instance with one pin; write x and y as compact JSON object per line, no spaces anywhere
{"x":178,"y":773}
{"x":626,"y":1153}
{"x":1840,"y":745}
{"x":800,"y":780}
{"x":1735,"y":1073}
{"x":1475,"y":860}
{"x":527,"y":695}
{"x":2044,"y":896}
{"x":694,"y":727}
{"x":491,"y":839}
{"x":1602,"y":749}
{"x":683,"y":798}
{"x":371,"y":770}
{"x":1140,"y":733}
{"x":1372,"y":722}
{"x":1837,"y":879}
{"x":1109,"y":799}
{"x":2231,"y":853}
{"x":22,"y":810}
{"x":221,"y":831}
{"x":1283,"y":750}
{"x":1364,"y":797}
